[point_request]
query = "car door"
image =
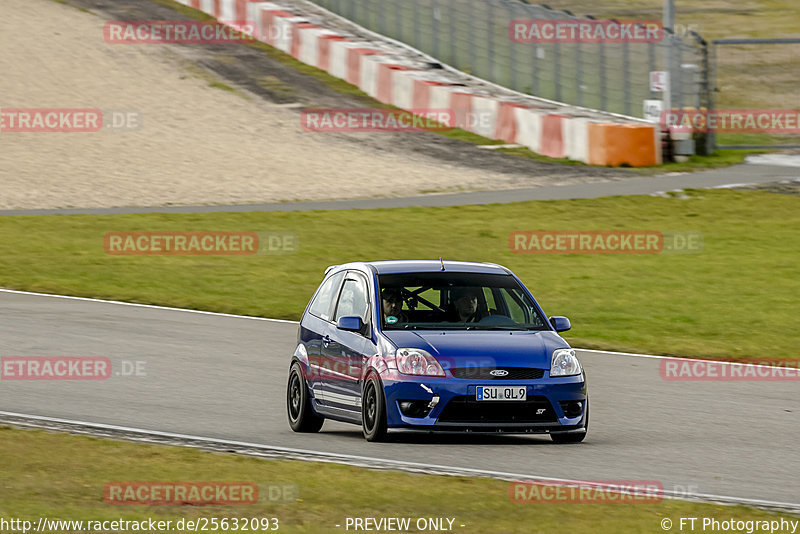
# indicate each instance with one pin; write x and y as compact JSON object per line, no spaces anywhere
{"x":313,"y":328}
{"x":346,"y":351}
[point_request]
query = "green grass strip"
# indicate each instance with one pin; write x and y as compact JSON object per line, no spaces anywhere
{"x":736,"y":298}
{"x":59,"y":476}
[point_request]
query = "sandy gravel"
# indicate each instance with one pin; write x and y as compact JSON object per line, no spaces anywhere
{"x":197,"y":144}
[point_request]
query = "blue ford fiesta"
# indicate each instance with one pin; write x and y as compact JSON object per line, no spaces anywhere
{"x":434,"y":346}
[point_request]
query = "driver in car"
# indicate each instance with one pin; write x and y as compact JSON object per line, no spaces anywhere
{"x":465,"y":301}
{"x":392,"y":302}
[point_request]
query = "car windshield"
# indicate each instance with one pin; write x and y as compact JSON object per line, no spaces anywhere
{"x":456,"y":301}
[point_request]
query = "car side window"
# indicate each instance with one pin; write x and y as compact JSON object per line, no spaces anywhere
{"x":520,"y":312}
{"x":323,"y":302}
{"x":515,"y":308}
{"x":353,"y":299}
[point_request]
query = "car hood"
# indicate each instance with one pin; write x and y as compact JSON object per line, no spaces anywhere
{"x":475,"y":348}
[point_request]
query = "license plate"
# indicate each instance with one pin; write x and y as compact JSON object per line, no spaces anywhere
{"x":501,"y":393}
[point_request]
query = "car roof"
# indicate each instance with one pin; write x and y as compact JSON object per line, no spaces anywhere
{"x":425,"y":266}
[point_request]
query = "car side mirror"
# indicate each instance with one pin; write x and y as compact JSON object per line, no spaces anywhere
{"x":351,"y":323}
{"x":560,"y":323}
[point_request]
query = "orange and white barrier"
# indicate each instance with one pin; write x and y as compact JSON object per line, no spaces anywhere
{"x":576,"y":139}
{"x":552,"y":143}
{"x":529,"y":128}
{"x":337,"y":64}
{"x":483,"y":120}
{"x":400,"y":79}
{"x":616,"y":145}
{"x":394,"y":81}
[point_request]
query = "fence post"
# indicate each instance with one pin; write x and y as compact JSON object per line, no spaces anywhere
{"x":399,"y":14}
{"x":679,"y":77}
{"x":492,"y":72}
{"x":535,"y":71}
{"x":626,"y":75}
{"x":579,"y":73}
{"x":472,"y":36}
{"x":512,"y":49}
{"x":382,"y":18}
{"x":651,"y":65}
{"x":452,"y":17}
{"x":436,"y":17}
{"x":557,"y":69}
{"x":707,"y":99}
{"x":602,"y":70}
{"x":711,"y":78}
{"x":417,"y":43}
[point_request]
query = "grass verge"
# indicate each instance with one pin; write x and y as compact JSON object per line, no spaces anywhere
{"x":737,"y":298}
{"x":60,"y":476}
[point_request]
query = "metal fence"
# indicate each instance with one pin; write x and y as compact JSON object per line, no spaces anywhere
{"x":473,"y":36}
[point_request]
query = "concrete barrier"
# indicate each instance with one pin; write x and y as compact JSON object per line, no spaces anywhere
{"x":461,"y":106}
{"x":298,"y":29}
{"x":623,"y":145}
{"x":529,"y":128}
{"x":368,"y":74}
{"x":309,"y":45}
{"x":402,"y":83}
{"x":324,"y":52}
{"x":227,"y":11}
{"x":354,"y":55}
{"x":552,"y":143}
{"x":506,"y":128}
{"x":598,"y":141}
{"x":576,"y":139}
{"x":284,"y":31}
{"x":338,"y":57}
{"x":272,"y":22}
{"x":483,"y":120}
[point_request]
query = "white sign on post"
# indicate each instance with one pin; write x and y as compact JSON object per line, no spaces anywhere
{"x":659,"y":80}
{"x":652,"y":110}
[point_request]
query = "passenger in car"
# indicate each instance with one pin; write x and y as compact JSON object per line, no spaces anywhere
{"x":465,"y":308}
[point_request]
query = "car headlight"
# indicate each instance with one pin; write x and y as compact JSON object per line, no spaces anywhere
{"x":565,"y":363}
{"x":417,"y":362}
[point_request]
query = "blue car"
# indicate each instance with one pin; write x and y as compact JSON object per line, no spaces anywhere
{"x":440,"y":346}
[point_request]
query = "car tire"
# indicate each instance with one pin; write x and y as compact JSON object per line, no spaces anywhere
{"x":373,"y":410}
{"x":298,"y":403}
{"x":573,"y":437}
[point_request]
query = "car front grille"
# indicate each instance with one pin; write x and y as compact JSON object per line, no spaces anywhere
{"x":483,"y":373}
{"x":465,"y":409}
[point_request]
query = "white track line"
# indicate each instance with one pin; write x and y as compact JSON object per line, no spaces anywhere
{"x":84,"y":427}
{"x":651,"y":356}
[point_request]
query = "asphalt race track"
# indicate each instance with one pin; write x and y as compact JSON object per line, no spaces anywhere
{"x":725,"y":177}
{"x":224,"y":377}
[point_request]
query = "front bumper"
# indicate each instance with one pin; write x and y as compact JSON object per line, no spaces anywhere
{"x":458,"y":411}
